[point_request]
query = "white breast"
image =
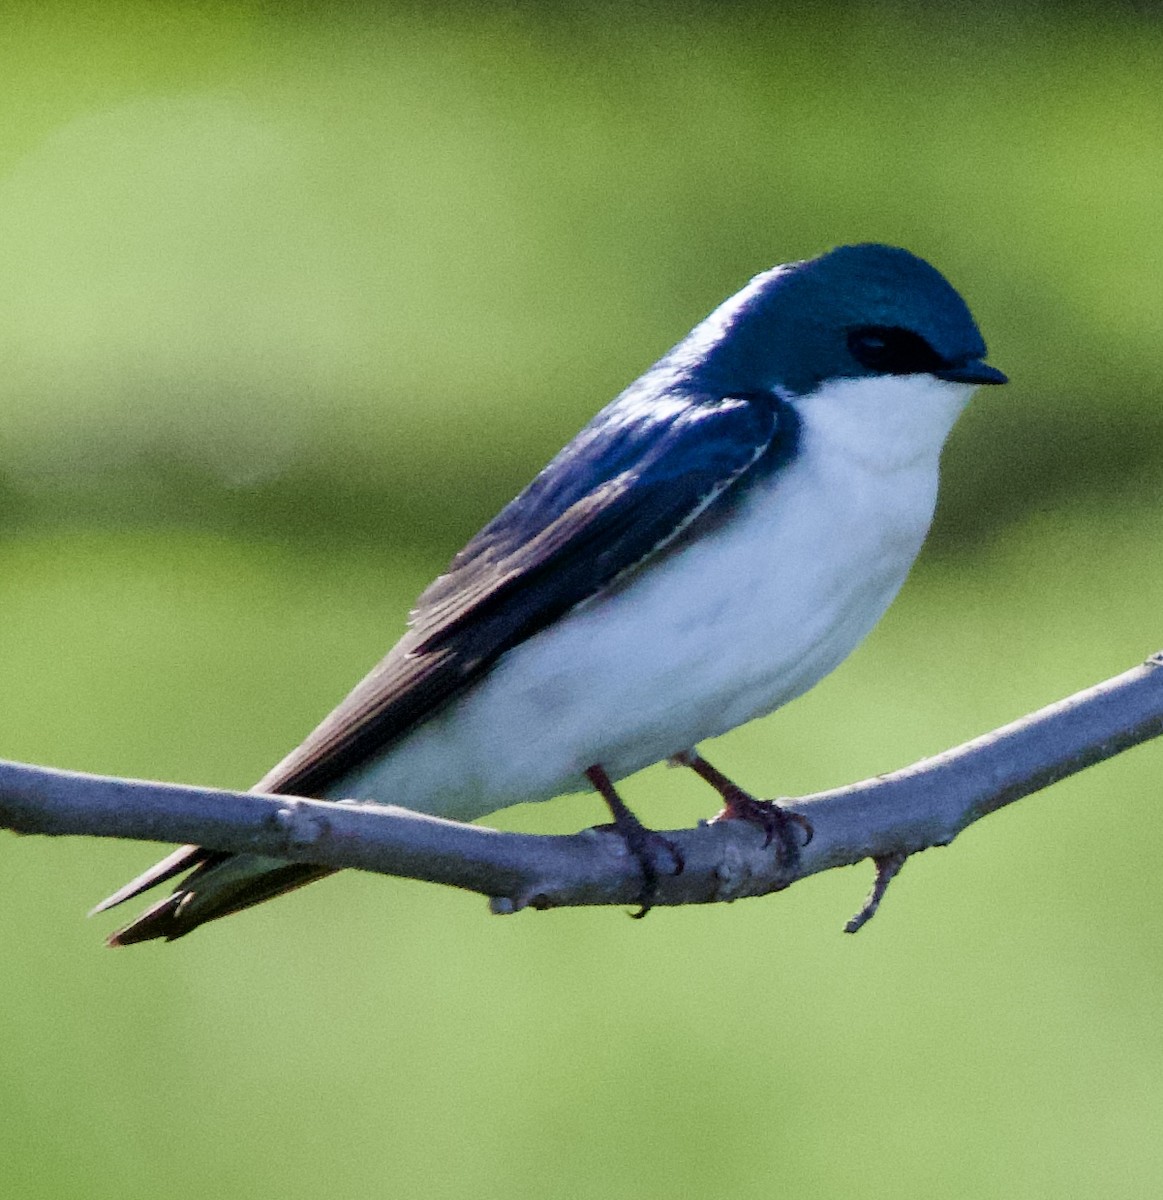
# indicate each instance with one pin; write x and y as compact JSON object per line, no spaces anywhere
{"x":726,"y":628}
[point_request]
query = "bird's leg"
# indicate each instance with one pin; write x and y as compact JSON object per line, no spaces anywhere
{"x":643,"y":843}
{"x":738,"y":805}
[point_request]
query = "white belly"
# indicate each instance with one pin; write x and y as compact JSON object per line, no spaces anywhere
{"x":726,"y":628}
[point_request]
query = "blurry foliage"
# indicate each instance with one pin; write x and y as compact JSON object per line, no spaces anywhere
{"x":291,"y":298}
{"x":359,"y":273}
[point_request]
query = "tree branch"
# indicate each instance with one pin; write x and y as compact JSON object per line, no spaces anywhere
{"x":887,"y":818}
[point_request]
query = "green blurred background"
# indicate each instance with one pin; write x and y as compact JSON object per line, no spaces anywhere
{"x":291,"y":299}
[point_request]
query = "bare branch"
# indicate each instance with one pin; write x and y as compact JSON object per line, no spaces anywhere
{"x":887,"y":818}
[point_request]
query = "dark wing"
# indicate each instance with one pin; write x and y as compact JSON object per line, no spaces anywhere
{"x":631,"y":482}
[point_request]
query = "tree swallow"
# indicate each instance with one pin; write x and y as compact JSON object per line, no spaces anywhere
{"x":712,"y":544}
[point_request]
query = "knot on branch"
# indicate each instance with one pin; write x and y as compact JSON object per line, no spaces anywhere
{"x":733,"y":873}
{"x":301,"y":825}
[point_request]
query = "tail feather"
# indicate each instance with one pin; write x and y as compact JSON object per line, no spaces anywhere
{"x":155,"y":922}
{"x":182,"y":859}
{"x":218,"y":886}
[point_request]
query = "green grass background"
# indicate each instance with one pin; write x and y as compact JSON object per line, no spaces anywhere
{"x":291,"y":298}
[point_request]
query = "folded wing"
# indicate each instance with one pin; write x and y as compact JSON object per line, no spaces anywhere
{"x":631,"y":483}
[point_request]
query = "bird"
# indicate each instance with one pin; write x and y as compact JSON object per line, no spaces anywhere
{"x":714,"y":542}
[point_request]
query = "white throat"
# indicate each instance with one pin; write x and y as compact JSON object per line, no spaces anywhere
{"x":886,"y":423}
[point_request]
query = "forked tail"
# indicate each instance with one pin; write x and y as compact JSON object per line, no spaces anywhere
{"x":218,"y":884}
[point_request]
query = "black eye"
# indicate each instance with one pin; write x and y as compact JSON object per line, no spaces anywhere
{"x":892,"y":351}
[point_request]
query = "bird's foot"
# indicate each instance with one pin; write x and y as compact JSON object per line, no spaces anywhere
{"x":650,"y":849}
{"x":787,"y":828}
{"x":655,"y":855}
{"x":776,"y":822}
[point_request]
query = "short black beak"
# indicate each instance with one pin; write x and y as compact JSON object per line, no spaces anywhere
{"x":973,"y":371}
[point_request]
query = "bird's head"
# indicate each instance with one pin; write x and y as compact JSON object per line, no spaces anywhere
{"x":854,"y":312}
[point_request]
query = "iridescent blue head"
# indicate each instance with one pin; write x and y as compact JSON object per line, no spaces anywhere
{"x":854,"y":312}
